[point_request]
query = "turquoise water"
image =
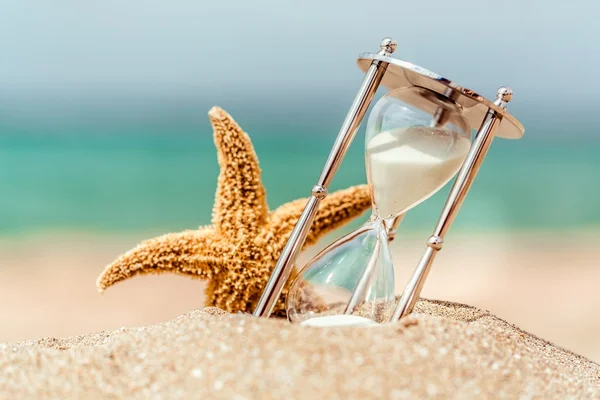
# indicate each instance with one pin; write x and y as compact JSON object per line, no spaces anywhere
{"x":159,"y":174}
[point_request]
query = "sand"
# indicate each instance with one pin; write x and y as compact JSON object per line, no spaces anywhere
{"x":444,"y":350}
{"x":407,"y":165}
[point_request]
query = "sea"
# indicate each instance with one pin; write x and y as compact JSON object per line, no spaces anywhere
{"x":123,"y":165}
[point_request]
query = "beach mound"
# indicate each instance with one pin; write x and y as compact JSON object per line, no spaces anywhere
{"x":444,"y":350}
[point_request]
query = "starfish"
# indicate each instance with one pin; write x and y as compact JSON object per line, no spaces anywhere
{"x":237,"y":253}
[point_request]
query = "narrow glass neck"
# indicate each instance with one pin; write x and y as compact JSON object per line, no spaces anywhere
{"x":387,"y":225}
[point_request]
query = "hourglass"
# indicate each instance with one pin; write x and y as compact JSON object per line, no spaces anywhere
{"x":416,"y":140}
{"x":418,"y":137}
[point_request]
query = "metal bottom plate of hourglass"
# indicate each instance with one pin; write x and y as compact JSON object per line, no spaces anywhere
{"x":402,"y":74}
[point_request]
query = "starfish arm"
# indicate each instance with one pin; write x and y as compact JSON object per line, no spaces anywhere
{"x":335,"y":210}
{"x":240,"y":202}
{"x":191,"y":253}
{"x":233,"y":289}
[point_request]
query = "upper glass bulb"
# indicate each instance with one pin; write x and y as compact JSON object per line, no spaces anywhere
{"x":416,"y":141}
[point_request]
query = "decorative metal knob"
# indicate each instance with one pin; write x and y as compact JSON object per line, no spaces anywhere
{"x":505,"y":94}
{"x":388,"y":46}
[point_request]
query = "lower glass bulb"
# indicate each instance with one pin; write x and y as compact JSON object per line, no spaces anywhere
{"x":352,"y":278}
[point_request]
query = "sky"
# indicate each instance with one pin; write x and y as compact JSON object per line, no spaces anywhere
{"x":545,"y":50}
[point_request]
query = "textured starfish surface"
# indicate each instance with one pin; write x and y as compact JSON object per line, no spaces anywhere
{"x":237,"y":253}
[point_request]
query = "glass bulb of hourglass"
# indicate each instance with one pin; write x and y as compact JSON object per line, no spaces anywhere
{"x":412,"y":152}
{"x":416,"y":141}
{"x":325,"y":288}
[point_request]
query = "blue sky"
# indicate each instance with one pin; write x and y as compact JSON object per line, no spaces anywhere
{"x":546,"y":50}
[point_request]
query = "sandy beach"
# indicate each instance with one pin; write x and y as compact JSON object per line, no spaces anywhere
{"x":544,"y":283}
{"x":443,"y":350}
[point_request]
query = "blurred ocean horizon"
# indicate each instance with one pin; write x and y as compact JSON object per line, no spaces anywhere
{"x":150,"y":165}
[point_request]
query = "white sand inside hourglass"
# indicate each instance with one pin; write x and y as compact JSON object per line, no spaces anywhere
{"x":408,"y":165}
{"x":339,"y":321}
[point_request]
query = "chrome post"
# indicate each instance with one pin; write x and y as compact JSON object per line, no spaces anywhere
{"x":355,"y":115}
{"x":460,"y":188}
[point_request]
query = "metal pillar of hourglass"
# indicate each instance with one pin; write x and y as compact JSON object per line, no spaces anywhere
{"x":381,"y":68}
{"x":493,"y":124}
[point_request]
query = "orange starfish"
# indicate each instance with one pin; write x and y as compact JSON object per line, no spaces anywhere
{"x":238,"y":252}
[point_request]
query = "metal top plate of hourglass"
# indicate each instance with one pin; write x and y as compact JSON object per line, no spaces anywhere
{"x":402,"y":74}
